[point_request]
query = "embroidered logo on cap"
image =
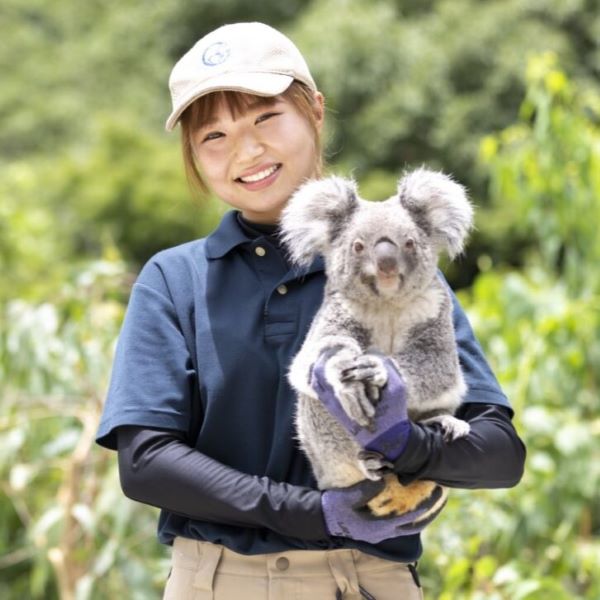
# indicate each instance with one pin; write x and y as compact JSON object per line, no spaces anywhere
{"x":215,"y":54}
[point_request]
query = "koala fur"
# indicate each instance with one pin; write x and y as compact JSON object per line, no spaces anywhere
{"x":383,"y":295}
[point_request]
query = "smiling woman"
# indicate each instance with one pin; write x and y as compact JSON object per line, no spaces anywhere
{"x":203,"y":113}
{"x":254,"y":152}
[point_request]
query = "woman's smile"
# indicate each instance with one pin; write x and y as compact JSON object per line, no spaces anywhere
{"x":259,"y":179}
{"x":268,"y":149}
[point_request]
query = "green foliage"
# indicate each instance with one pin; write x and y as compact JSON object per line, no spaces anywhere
{"x":409,"y":84}
{"x":32,"y":251}
{"x":541,"y":539}
{"x":129,"y":188}
{"x":424,"y":85}
{"x":126,"y":191}
{"x":546,"y":174}
{"x":67,"y":530}
{"x":541,"y":327}
{"x":64,"y":62}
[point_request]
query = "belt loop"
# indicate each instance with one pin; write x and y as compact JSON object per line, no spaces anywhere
{"x":412,"y":567}
{"x":343,"y":570}
{"x":210,"y":555}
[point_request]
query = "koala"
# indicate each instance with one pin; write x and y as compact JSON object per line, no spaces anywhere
{"x":383,"y":296}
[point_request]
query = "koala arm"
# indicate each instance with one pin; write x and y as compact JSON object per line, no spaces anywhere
{"x":331,"y":329}
{"x":492,"y":455}
{"x":300,"y":369}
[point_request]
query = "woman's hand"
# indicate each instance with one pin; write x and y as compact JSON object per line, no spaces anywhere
{"x":346,"y":514}
{"x":387,"y":432}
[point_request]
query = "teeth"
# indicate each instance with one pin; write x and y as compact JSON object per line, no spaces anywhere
{"x":260,"y":175}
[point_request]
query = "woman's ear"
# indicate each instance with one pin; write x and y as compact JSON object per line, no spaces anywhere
{"x":319,"y":110}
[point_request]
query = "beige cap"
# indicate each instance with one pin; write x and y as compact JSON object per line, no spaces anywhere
{"x":243,"y":57}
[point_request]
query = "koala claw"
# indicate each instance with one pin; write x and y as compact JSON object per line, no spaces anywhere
{"x":373,"y":393}
{"x":456,"y":430}
{"x":373,"y":465}
{"x":367,"y":368}
{"x":356,"y":395}
{"x":354,"y":400}
{"x":452,"y":428}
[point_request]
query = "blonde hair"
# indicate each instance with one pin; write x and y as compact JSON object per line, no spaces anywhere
{"x":203,"y":109}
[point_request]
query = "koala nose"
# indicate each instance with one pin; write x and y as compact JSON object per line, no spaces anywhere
{"x":386,"y":257}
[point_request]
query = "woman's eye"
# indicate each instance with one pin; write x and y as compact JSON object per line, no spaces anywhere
{"x":213,"y":135}
{"x":266,"y":116}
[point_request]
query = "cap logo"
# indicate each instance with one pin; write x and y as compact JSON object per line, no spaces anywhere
{"x":215,"y":54}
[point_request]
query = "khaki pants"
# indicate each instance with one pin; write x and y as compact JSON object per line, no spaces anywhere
{"x":205,"y":571}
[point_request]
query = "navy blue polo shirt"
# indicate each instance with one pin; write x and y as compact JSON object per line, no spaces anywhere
{"x":209,"y":333}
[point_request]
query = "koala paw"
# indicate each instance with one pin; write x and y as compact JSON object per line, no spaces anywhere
{"x":356,"y":381}
{"x":396,"y":499}
{"x":373,"y":465}
{"x":369,"y":369}
{"x":355,"y":401}
{"x":452,"y":428}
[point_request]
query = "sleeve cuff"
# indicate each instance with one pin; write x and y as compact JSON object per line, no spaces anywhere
{"x":415,"y":456}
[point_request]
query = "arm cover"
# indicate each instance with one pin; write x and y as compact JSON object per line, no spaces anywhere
{"x":157,"y":467}
{"x":491,"y":456}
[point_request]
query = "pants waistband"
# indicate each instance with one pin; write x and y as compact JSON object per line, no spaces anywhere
{"x":301,"y":562}
{"x":345,"y":565}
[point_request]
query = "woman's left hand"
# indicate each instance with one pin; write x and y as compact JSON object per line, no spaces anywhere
{"x":389,"y":429}
{"x":346,"y":514}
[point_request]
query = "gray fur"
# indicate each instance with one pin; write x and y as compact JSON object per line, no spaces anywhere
{"x":383,"y":294}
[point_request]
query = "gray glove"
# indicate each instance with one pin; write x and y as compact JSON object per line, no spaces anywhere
{"x":346,"y":514}
{"x":388,"y":432}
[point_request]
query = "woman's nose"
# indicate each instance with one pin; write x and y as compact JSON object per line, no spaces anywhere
{"x":249,"y":147}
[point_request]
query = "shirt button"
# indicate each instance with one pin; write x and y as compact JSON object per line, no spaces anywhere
{"x":260,"y":251}
{"x":282,"y":563}
{"x":282,"y":289}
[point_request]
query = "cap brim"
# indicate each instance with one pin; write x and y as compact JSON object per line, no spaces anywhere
{"x":261,"y":84}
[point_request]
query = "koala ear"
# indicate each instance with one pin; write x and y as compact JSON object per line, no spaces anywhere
{"x":438,"y":205}
{"x":315,"y":216}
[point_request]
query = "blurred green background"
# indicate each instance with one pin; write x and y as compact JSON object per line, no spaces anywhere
{"x":504,"y":94}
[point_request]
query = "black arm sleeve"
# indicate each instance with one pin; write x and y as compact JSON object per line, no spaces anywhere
{"x":491,"y":456}
{"x":157,"y":467}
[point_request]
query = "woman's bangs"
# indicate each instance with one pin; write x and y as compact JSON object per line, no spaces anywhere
{"x":205,"y":109}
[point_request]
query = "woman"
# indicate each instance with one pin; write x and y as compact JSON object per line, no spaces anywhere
{"x":199,"y":407}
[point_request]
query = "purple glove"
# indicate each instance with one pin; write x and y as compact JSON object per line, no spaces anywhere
{"x":346,"y":514}
{"x":389,"y":429}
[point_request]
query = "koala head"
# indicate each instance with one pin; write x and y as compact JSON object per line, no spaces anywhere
{"x":383,"y":249}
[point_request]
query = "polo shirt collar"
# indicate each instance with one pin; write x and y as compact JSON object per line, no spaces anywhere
{"x":225,"y":237}
{"x":228,"y":235}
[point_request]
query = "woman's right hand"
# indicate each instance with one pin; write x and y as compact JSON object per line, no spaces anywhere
{"x":346,"y":514}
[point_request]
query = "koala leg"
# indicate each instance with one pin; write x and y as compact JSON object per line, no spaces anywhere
{"x":452,"y":428}
{"x":397,"y":499}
